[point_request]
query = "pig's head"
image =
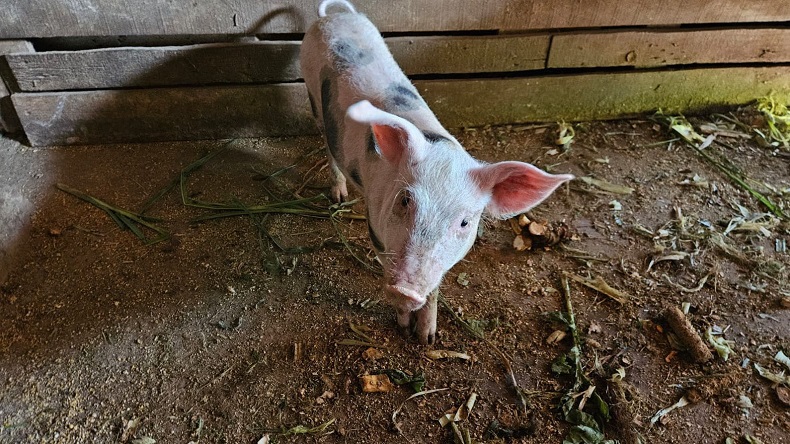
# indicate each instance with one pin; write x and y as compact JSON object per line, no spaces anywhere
{"x":426,"y":199}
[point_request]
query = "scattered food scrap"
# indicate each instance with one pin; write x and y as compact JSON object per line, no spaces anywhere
{"x":446,"y":354}
{"x":461,"y":413}
{"x":372,"y":354}
{"x":722,"y":346}
{"x":376,"y":383}
{"x":532,"y":235}
{"x":305,"y":430}
{"x":661,"y":414}
{"x":778,"y":378}
{"x":399,"y":377}
{"x":607,"y":186}
{"x":565,"y":135}
{"x":600,"y":285}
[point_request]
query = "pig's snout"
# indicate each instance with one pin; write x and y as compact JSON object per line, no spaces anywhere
{"x":405,"y":298}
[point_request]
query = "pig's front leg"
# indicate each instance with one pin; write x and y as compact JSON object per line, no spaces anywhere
{"x":339,"y":187}
{"x":426,"y":319}
{"x":422,"y":321}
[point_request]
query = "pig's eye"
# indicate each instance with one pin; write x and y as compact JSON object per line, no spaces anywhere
{"x":403,"y":202}
{"x":464,"y":223}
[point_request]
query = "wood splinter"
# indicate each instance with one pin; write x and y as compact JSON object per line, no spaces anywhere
{"x":687,"y":335}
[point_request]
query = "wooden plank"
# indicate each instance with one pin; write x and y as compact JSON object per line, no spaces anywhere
{"x":655,"y":48}
{"x":275,"y":110}
{"x":599,"y":96}
{"x":465,"y":55}
{"x":8,"y":119}
{"x":69,"y":18}
{"x":259,"y":62}
{"x":145,"y":115}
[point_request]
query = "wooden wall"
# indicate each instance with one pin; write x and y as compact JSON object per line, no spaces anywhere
{"x":476,"y":62}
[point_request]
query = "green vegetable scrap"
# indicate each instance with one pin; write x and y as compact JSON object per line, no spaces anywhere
{"x":777,"y":117}
{"x":587,"y":426}
{"x":399,"y":377}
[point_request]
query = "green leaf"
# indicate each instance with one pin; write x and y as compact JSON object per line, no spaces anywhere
{"x":584,"y":434}
{"x":561,"y":366}
{"x":558,"y":317}
{"x":600,"y":406}
{"x":578,"y":417}
{"x":399,"y":377}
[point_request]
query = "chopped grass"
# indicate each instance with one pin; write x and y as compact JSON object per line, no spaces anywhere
{"x":127,"y":220}
{"x":585,"y":427}
{"x":686,"y":131}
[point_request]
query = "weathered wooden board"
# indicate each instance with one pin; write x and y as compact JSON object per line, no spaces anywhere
{"x":143,"y":115}
{"x":259,"y":62}
{"x":208,"y":64}
{"x":269,"y":110}
{"x":8,"y":119}
{"x":47,"y":18}
{"x":646,"y":49}
{"x":467,"y":55}
{"x":599,"y":96}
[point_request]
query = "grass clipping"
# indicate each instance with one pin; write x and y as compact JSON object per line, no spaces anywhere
{"x":581,"y":406}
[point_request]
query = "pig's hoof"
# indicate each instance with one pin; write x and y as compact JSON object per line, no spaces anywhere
{"x":427,"y":337}
{"x":340,"y":193}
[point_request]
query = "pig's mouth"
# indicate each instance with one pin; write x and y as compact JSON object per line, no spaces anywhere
{"x":405,"y":298}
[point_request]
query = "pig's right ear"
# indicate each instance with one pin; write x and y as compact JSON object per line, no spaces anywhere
{"x":394,"y":135}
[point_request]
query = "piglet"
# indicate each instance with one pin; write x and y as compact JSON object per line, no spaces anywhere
{"x":424,"y":193}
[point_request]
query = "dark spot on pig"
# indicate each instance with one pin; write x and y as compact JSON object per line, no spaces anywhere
{"x":434,"y":138}
{"x":402,"y":98}
{"x":312,"y":105}
{"x":349,"y":54}
{"x":354,"y":173}
{"x":331,"y":128}
{"x":406,"y":92}
{"x":377,"y":245}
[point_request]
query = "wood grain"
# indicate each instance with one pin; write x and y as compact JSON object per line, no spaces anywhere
{"x":8,"y":119}
{"x":647,"y":49}
{"x":144,"y":115}
{"x":260,"y":62}
{"x":277,"y":110}
{"x":68,"y":18}
{"x":599,"y":96}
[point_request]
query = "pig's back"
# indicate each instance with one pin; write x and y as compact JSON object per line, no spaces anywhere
{"x":348,"y":47}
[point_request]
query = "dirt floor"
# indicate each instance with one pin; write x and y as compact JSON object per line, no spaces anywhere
{"x":237,"y":329}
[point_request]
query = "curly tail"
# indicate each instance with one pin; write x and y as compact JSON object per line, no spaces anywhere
{"x":322,"y":7}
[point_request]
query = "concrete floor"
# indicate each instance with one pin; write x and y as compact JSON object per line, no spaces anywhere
{"x":25,"y":178}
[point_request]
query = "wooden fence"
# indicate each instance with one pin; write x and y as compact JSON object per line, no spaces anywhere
{"x":475,"y":62}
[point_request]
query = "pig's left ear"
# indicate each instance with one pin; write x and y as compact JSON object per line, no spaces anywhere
{"x":394,"y":135}
{"x":516,"y":187}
